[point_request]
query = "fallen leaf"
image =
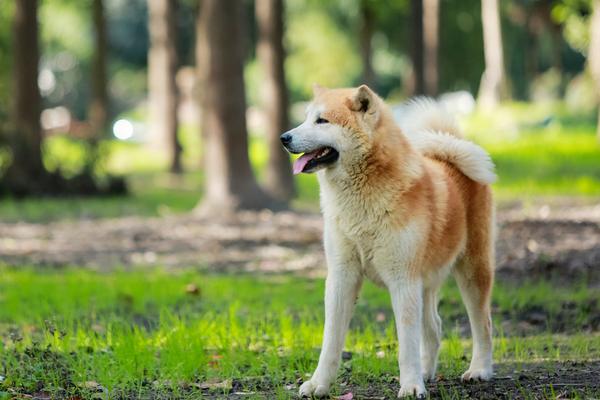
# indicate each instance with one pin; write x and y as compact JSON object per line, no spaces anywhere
{"x":42,"y":396}
{"x":214,"y":360}
{"x":92,"y":385}
{"x":223,"y":385}
{"x":192,"y":288}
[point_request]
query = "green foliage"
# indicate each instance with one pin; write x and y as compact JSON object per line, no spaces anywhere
{"x":539,"y":150}
{"x":574,"y":15}
{"x":6,"y":13}
{"x":66,"y":26}
{"x":319,"y":51}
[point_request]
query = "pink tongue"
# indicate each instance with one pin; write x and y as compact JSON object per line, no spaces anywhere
{"x":301,"y":162}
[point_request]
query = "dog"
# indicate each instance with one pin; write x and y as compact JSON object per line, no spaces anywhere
{"x":404,"y":205}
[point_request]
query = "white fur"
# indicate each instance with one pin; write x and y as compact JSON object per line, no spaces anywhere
{"x":424,"y":113}
{"x":471,"y":159}
{"x":435,"y":133}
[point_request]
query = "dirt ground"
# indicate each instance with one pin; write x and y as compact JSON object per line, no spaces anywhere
{"x":564,"y":380}
{"x":542,"y":242}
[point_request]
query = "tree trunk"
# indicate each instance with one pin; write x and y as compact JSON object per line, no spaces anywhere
{"x":162,"y":69}
{"x":417,"y":86}
{"x":26,"y":142}
{"x":271,"y":54}
{"x":229,"y":181}
{"x":490,"y":90}
{"x":98,"y":111}
{"x":431,"y":17}
{"x":594,"y":54}
{"x":366,"y":50}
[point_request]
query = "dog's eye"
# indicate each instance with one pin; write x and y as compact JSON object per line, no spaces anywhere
{"x":321,"y":121}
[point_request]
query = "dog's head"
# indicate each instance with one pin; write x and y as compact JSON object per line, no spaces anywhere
{"x":339,"y":127}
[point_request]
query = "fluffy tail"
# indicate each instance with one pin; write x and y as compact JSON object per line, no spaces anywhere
{"x":424,"y":113}
{"x":435,"y":133}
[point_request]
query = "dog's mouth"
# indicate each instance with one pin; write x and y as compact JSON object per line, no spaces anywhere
{"x":310,"y":161}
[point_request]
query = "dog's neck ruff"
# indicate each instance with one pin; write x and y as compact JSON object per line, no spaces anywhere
{"x":374,"y":184}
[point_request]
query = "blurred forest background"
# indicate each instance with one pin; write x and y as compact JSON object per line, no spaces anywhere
{"x":119,"y":118}
{"x":177,"y":101}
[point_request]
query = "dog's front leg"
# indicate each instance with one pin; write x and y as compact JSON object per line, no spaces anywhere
{"x":341,"y":290}
{"x":407,"y":302}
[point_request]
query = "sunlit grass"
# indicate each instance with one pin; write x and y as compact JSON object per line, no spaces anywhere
{"x":127,"y":329}
{"x":539,"y":150}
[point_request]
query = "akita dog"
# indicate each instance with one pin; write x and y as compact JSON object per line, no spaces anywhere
{"x":403,"y":205}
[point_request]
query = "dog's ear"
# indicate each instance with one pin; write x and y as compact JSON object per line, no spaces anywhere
{"x":364,"y":101}
{"x":317,"y":89}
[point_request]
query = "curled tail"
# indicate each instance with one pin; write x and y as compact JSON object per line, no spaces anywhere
{"x":435,"y":133}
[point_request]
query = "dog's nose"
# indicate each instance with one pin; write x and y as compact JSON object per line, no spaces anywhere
{"x":286,"y":138}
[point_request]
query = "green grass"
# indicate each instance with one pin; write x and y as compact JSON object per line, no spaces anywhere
{"x":138,"y":331}
{"x":539,"y":150}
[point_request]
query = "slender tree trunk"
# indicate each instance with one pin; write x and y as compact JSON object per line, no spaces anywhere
{"x":594,"y":53}
{"x":490,"y":90}
{"x":416,"y":48}
{"x":271,"y":54}
{"x":26,"y":142}
{"x":366,"y":49}
{"x":229,"y":181}
{"x":98,"y":111}
{"x":162,"y":69}
{"x":431,"y":9}
{"x":532,"y":45}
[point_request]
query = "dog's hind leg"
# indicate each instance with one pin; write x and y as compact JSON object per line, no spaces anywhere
{"x":431,"y":334}
{"x":474,"y":275}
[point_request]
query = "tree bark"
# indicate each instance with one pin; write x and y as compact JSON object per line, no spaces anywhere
{"x":162,"y":69}
{"x":366,"y":50}
{"x":271,"y":54}
{"x":594,"y":53}
{"x":26,"y":142}
{"x":431,"y":21}
{"x":98,"y":110}
{"x":229,"y":182}
{"x":490,"y":90}
{"x":417,"y":86}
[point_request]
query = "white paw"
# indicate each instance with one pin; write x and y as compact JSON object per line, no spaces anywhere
{"x":477,"y":374}
{"x":428,"y":370}
{"x":310,"y":389}
{"x":428,"y":374}
{"x":416,"y":389}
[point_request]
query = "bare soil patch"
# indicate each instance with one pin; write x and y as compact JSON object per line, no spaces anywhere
{"x":543,"y":380}
{"x":564,"y":245}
